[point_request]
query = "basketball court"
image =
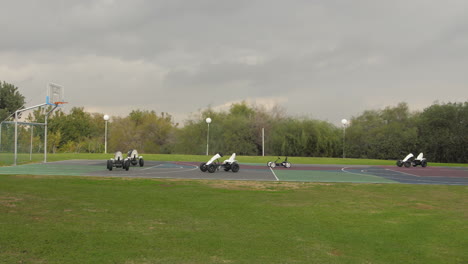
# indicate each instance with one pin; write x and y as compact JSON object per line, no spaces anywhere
{"x":253,"y":172}
{"x":190,"y":170}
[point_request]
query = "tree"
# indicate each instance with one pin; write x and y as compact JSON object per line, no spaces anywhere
{"x":238,"y":135}
{"x":142,"y":130}
{"x":10,"y":100}
{"x":443,"y":132}
{"x":382,"y":134}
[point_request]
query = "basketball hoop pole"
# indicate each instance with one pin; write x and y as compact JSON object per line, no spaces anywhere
{"x":53,"y":98}
{"x":16,"y":129}
{"x":45,"y":132}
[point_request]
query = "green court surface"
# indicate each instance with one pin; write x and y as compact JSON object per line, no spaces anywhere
{"x":328,"y":176}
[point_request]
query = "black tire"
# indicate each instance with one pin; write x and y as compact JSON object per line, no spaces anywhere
{"x":109,"y":165}
{"x":126,"y":165}
{"x":424,"y":164}
{"x":399,"y":163}
{"x":235,"y":167}
{"x":408,"y":164}
{"x":227,"y":167}
{"x":203,"y":167}
{"x":211,"y":168}
{"x":141,"y":162}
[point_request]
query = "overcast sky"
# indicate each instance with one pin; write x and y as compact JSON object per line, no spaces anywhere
{"x":325,"y":59}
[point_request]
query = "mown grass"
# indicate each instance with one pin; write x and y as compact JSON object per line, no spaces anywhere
{"x":45,"y":219}
{"x":7,"y":159}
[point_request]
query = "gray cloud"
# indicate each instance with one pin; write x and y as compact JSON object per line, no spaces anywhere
{"x":326,"y":59}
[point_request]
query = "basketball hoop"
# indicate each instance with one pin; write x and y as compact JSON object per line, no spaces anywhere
{"x":59,"y":103}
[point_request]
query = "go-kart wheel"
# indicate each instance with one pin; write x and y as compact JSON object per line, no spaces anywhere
{"x":227,"y":167}
{"x":235,"y":167}
{"x":203,"y":167}
{"x":287,"y":165}
{"x":109,"y":165}
{"x":142,"y":162}
{"x":424,"y":164}
{"x":126,"y":165}
{"x":269,"y":164}
{"x":134,"y":162}
{"x":407,"y":164}
{"x":272,"y":165}
{"x":211,"y":168}
{"x":399,"y":163}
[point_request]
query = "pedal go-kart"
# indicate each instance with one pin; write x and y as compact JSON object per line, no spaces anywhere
{"x":132,"y":155}
{"x":420,"y":160}
{"x":408,"y":161}
{"x":213,"y":164}
{"x":285,"y":163}
{"x":118,"y":162}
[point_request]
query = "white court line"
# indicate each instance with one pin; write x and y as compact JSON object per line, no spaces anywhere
{"x":147,"y":168}
{"x":362,"y":174}
{"x":184,"y":163}
{"x":404,"y":173}
{"x":194,"y":167}
{"x":397,"y":179}
{"x":274,"y":174}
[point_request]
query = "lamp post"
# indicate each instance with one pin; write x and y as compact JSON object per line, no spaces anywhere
{"x":345,"y":123}
{"x":208,"y":121}
{"x":106,"y":118}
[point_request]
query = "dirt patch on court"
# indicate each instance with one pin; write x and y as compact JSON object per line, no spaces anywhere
{"x":9,"y":201}
{"x":261,"y":186}
{"x":424,"y":206}
{"x":335,"y":252}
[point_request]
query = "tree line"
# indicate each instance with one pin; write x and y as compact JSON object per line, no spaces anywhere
{"x":440,"y":131}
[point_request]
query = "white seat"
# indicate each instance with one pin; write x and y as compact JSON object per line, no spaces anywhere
{"x":420,"y":156}
{"x":231,"y":159}
{"x":118,"y":156}
{"x":409,"y":156}
{"x":133,"y":154}
{"x":215,"y":157}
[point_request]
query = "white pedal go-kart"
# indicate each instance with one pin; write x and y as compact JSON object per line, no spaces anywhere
{"x":408,"y":161}
{"x":118,"y":162}
{"x":213,"y":164}
{"x":132,"y":155}
{"x":285,"y":163}
{"x":420,"y":160}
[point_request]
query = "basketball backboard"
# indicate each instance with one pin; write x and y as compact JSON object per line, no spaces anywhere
{"x":55,"y":94}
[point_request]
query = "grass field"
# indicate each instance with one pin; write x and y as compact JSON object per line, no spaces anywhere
{"x":55,"y":219}
{"x":52,"y":219}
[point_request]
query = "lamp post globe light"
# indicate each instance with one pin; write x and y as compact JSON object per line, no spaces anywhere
{"x":208,"y":121}
{"x":345,"y":123}
{"x":106,"y":118}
